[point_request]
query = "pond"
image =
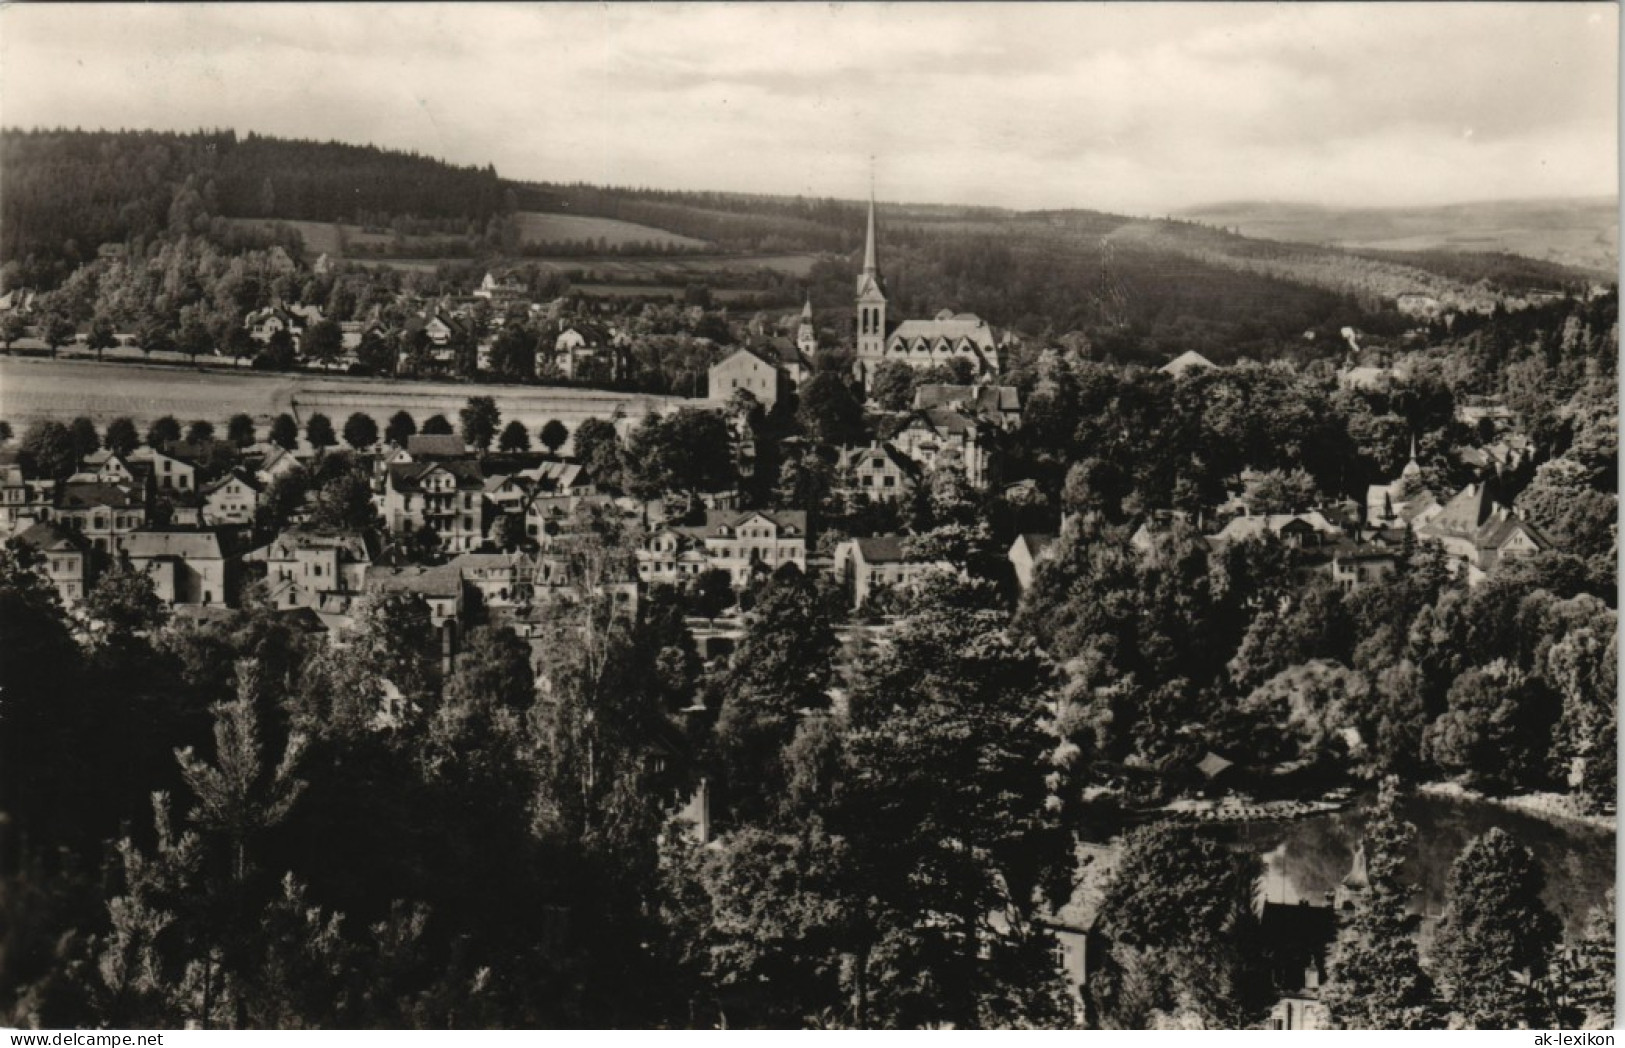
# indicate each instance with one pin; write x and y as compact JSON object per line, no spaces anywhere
{"x":1306,"y":858}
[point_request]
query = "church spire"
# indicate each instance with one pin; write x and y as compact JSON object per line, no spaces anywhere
{"x":1412,"y":468}
{"x":869,"y":241}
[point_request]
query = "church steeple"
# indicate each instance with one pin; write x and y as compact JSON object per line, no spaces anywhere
{"x":871,"y":303}
{"x":869,"y":241}
{"x":806,"y":334}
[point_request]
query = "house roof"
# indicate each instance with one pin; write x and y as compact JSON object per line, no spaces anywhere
{"x":486,"y":561}
{"x":991,"y":399}
{"x":303,"y":620}
{"x":89,"y":496}
{"x":944,"y":420}
{"x":47,"y":537}
{"x":1465,"y":513}
{"x":590,"y":334}
{"x":436,"y":445}
{"x":556,"y":475}
{"x":780,"y":349}
{"x":499,"y":481}
{"x":1241,"y":528}
{"x":1037,"y":542}
{"x":791,"y":523}
{"x":1185,"y":362}
{"x":756,"y":355}
{"x":351,"y":546}
{"x":951,"y":326}
{"x":1497,"y":533}
{"x":277,"y":312}
{"x":408,"y":476}
{"x":443,"y":580}
{"x":1295,"y":937}
{"x":882,"y":549}
{"x":238,"y":474}
{"x":1351,"y":551}
{"x":263,"y":456}
{"x":1364,"y":377}
{"x":185,"y":545}
{"x":852,"y":457}
{"x":1418,"y":504}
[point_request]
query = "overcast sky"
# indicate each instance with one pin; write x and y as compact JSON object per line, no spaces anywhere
{"x":1133,"y":108}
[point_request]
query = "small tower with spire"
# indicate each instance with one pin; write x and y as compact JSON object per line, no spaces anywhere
{"x":1412,"y":468}
{"x":806,"y":334}
{"x":871,"y":304}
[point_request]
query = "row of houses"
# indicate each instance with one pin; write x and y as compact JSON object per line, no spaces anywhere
{"x":447,"y":323}
{"x":178,"y":511}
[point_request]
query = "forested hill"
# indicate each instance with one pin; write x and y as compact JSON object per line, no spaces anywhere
{"x":1136,"y":288}
{"x":64,"y":193}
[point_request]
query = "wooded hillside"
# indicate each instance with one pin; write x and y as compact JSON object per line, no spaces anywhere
{"x":64,"y":193}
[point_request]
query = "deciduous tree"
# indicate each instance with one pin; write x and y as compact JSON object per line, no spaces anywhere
{"x":1178,"y":914}
{"x":323,"y":342}
{"x":163,"y":431}
{"x":553,"y":436}
{"x":598,"y":449}
{"x":400,"y":428}
{"x":892,"y":385}
{"x":82,"y":431}
{"x":125,"y":601}
{"x":827,"y":411}
{"x":360,"y":431}
{"x":48,"y":451}
{"x":1496,"y":936}
{"x":101,"y":334}
{"x":319,"y":432}
{"x":480,"y":419}
{"x":514,"y":437}
{"x":121,"y":436}
{"x":285,"y":432}
{"x":240,"y":430}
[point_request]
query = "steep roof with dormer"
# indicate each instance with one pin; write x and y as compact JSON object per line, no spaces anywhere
{"x":409,"y":476}
{"x":724,"y":523}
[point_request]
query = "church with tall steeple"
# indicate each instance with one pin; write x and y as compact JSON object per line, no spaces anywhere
{"x":922,"y":344}
{"x":871,"y":304}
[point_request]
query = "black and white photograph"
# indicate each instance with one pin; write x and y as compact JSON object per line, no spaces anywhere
{"x":854,"y":516}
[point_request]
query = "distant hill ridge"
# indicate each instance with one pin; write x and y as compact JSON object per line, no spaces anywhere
{"x":1582,"y":233}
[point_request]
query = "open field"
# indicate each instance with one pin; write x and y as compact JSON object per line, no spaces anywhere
{"x":540,"y":227}
{"x":608,"y":269}
{"x":322,"y":237}
{"x":536,"y":227}
{"x":33,"y":389}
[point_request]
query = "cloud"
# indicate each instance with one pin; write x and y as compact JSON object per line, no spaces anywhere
{"x":1136,"y":107}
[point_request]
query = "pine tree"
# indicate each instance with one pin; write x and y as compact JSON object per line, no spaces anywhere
{"x":1376,"y":977}
{"x":237,"y":796}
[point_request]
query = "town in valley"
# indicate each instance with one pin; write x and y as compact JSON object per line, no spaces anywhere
{"x":435,"y":598}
